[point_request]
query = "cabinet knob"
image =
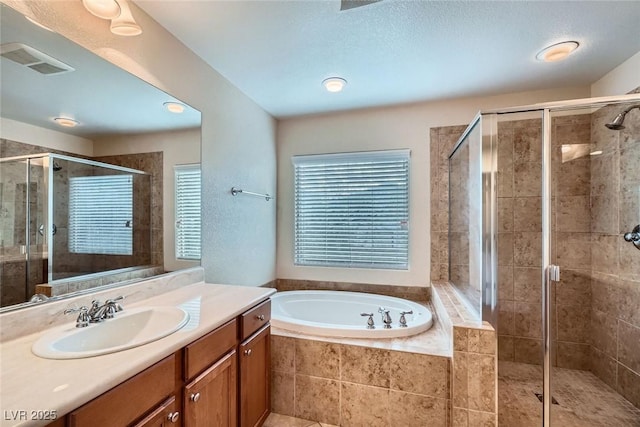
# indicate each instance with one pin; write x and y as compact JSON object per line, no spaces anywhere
{"x":248,"y":352}
{"x":260,"y":317}
{"x":173,"y":416}
{"x":195,"y":397}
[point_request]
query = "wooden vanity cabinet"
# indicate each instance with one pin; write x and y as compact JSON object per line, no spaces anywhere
{"x":219,"y":380}
{"x":255,"y":356}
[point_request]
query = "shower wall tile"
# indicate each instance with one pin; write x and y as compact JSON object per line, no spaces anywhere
{"x":629,"y":345}
{"x":526,"y":179}
{"x":573,"y":323}
{"x":527,"y":214}
{"x":527,"y":350}
{"x":573,"y":355}
{"x":574,"y":178}
{"x":527,"y":249}
{"x":574,"y":214}
{"x":603,"y":367}
{"x":526,"y":285}
{"x":573,"y":250}
{"x":629,"y":384}
{"x":604,"y":333}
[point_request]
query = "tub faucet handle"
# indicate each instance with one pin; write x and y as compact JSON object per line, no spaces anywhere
{"x":370,"y":324}
{"x":403,"y":320}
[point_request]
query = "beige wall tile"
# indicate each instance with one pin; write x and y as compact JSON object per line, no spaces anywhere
{"x":505,"y":214}
{"x":460,"y":418}
{"x":629,"y":385}
{"x":482,"y":419}
{"x":506,"y":319}
{"x":460,"y":338}
{"x":573,"y":323}
{"x":460,"y":380}
{"x":527,"y":284}
{"x":365,"y":365}
{"x":574,"y":288}
{"x":505,"y":348}
{"x":505,"y":249}
{"x":574,"y":213}
{"x":604,"y":253}
{"x":527,"y":144}
{"x":573,"y":178}
{"x":573,"y":250}
{"x":505,"y":283}
{"x":317,"y":358}
{"x":527,"y":214}
{"x":282,"y":393}
{"x":629,"y":207}
{"x":282,"y":353}
{"x":526,"y":179}
{"x":573,"y":356}
{"x":603,"y":367}
{"x":317,"y":399}
{"x":528,"y":319}
{"x":629,"y":345}
{"x":629,"y":262}
{"x":412,"y":410}
{"x":408,"y":373}
{"x":505,"y":178}
{"x":527,"y":250}
{"x":482,"y":382}
{"x":604,"y":332}
{"x":527,"y":350}
{"x":604,"y":219}
{"x":363,"y":405}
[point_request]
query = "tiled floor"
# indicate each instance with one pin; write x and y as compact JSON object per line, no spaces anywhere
{"x":277,"y":420}
{"x":583,"y":400}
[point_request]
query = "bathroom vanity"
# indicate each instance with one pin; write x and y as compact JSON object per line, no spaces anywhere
{"x":212,"y":372}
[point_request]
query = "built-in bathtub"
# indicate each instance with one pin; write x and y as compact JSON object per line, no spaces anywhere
{"x":339,"y":314}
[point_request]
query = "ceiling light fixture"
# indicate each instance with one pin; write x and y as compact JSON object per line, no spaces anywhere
{"x":124,"y":24}
{"x":595,"y":153}
{"x":118,"y":11}
{"x":105,"y":9}
{"x":174,"y":107}
{"x":334,"y":84}
{"x":557,"y":52}
{"x":66,"y":122}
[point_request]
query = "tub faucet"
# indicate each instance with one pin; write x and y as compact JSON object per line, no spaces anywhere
{"x":386,"y":319}
{"x":403,"y":320}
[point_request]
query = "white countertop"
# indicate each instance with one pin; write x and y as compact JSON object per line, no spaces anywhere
{"x":30,"y":383}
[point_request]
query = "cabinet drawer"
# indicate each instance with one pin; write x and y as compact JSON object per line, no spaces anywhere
{"x":125,"y":403}
{"x":163,"y":416}
{"x":255,"y":318}
{"x":205,"y":351}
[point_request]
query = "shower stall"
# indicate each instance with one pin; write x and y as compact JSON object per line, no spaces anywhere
{"x":63,"y":217}
{"x":544,"y":239}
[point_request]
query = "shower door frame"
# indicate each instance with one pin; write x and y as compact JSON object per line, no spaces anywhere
{"x":546,"y":277}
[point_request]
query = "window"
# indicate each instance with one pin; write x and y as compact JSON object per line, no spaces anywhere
{"x":188,"y":217}
{"x":352,"y":209}
{"x":101,"y":214}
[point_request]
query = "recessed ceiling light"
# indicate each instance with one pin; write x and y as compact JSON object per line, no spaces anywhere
{"x":174,"y":107}
{"x":66,"y":122}
{"x":334,"y":84}
{"x":557,"y":52}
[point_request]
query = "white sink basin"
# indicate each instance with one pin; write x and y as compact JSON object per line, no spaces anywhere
{"x":130,"y":328}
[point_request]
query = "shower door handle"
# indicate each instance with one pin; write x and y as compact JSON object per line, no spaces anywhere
{"x":554,"y":273}
{"x":54,"y":229}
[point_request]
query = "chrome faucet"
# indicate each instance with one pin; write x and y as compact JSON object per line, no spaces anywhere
{"x":83,"y":316}
{"x":97,"y":313}
{"x":386,"y":318}
{"x":403,"y":320}
{"x":370,"y":323}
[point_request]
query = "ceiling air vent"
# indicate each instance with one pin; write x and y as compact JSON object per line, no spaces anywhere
{"x":33,"y":59}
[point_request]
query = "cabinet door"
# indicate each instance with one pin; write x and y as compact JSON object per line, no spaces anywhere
{"x":255,"y":400}
{"x":163,"y":416}
{"x":210,"y":399}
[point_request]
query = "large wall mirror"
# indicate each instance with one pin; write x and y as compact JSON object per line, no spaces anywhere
{"x":99,"y":171}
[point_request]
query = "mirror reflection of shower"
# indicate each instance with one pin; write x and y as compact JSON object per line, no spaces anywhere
{"x":617,"y":123}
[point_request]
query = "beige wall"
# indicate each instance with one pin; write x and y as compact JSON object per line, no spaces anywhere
{"x":35,"y":135}
{"x":622,"y":79}
{"x":374,"y":129}
{"x":179,"y":148}
{"x":238,"y":137}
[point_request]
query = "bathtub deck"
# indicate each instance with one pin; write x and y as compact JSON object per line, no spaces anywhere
{"x":433,"y":342}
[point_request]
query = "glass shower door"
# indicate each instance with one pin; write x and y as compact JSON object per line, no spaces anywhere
{"x":595,"y":306}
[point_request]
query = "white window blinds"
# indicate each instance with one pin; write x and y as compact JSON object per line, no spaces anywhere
{"x":101,"y":214}
{"x":352,"y":209}
{"x":188,"y":216}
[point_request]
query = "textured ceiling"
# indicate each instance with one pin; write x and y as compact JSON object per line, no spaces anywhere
{"x":278,"y":52}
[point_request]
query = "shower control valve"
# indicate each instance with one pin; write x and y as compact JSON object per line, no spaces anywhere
{"x":634,"y":236}
{"x":370,"y":323}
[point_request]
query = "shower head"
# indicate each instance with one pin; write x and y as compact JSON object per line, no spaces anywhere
{"x":616,"y":124}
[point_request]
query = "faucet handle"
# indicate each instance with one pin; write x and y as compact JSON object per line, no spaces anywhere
{"x":112,"y":307}
{"x":403,"y":320}
{"x":370,"y":323}
{"x":83,"y":316}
